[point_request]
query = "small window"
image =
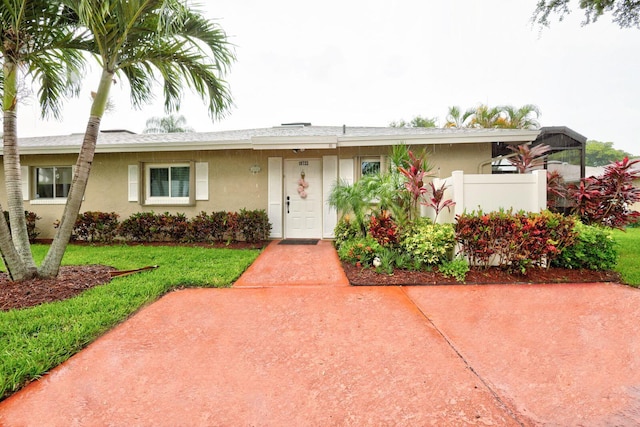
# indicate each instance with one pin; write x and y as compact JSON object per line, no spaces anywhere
{"x":370,"y":166}
{"x":53,"y":182}
{"x":168,"y":184}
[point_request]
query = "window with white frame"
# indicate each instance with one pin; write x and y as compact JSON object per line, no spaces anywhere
{"x":168,"y":183}
{"x":53,"y":182}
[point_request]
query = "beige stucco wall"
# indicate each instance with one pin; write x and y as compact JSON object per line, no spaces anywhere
{"x":232,"y":185}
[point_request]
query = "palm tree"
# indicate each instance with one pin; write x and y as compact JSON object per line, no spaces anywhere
{"x":142,"y":40}
{"x":169,"y":124}
{"x":524,"y":117}
{"x":485,"y":117}
{"x":41,"y":43}
{"x":458,"y":120}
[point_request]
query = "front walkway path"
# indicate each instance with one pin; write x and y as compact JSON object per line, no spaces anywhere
{"x":332,"y":355}
{"x":295,"y":265}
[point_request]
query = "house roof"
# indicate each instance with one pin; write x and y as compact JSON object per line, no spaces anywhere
{"x":279,"y":137}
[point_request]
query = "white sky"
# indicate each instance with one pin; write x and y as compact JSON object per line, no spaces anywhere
{"x":369,"y":62}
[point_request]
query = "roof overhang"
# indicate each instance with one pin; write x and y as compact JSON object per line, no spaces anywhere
{"x":294,"y":142}
{"x":510,"y":136}
{"x":259,"y":140}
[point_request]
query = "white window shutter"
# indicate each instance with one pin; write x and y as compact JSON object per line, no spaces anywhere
{"x":24,"y":172}
{"x":274,"y":197}
{"x":202,"y":181}
{"x":347,"y":170}
{"x":329,"y":178}
{"x":134,"y":180}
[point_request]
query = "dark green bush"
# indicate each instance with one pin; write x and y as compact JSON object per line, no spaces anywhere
{"x":31,"y":219}
{"x":172,"y":227}
{"x":96,"y":227}
{"x":140,"y":227}
{"x":253,"y":225}
{"x":594,"y":249}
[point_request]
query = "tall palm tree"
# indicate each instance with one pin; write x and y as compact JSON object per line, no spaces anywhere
{"x":169,"y":124}
{"x":41,"y":43}
{"x":142,"y":40}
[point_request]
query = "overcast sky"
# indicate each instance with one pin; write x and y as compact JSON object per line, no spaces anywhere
{"x":367,"y":63}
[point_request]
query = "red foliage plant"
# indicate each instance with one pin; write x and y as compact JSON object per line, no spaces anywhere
{"x":513,"y":241}
{"x":436,"y":201}
{"x":415,"y":171}
{"x":528,"y":158}
{"x":383,"y":228}
{"x":607,"y":200}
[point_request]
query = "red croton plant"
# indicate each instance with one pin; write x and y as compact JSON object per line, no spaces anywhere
{"x":415,"y":171}
{"x":606,"y":200}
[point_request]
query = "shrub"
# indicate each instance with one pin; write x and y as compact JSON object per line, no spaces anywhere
{"x":200,"y":228}
{"x":359,"y":251}
{"x":31,"y":218}
{"x":456,"y":268}
{"x":594,"y":249}
{"x":231,"y":226}
{"x":254,"y":225}
{"x":605,"y":200}
{"x":140,"y":227}
{"x":513,"y":241}
{"x":391,"y":258}
{"x":96,"y":227}
{"x":172,"y":227}
{"x":383,"y":228}
{"x":428,"y":243}
{"x":345,"y":230}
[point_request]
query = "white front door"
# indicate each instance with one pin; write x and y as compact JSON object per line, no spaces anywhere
{"x":303,"y":199}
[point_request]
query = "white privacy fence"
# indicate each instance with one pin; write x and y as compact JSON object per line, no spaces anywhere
{"x":527,"y":192}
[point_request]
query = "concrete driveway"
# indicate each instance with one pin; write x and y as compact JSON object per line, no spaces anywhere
{"x":314,"y":355}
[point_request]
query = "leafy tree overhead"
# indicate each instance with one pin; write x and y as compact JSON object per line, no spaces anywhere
{"x":596,"y":154}
{"x":626,"y":13}
{"x":602,"y":153}
{"x":41,"y":43}
{"x":141,"y":40}
{"x":504,"y":117}
{"x":169,"y":124}
{"x":416,"y":122}
{"x":524,"y":117}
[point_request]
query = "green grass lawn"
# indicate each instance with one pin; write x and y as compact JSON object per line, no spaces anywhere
{"x":34,"y":340}
{"x":629,"y":255}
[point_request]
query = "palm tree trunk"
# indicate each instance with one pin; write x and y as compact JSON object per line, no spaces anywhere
{"x":15,"y":267}
{"x":13,"y":179}
{"x":51,"y":264}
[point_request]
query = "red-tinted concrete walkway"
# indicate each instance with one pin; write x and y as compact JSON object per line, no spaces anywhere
{"x":345,"y":356}
{"x":295,"y":265}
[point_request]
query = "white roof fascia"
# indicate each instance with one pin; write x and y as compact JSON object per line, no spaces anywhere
{"x":130,"y":144}
{"x":140,"y":147}
{"x":522,"y":136}
{"x":294,"y":142}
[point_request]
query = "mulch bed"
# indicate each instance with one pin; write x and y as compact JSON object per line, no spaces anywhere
{"x":71,"y":281}
{"x":368,"y":277}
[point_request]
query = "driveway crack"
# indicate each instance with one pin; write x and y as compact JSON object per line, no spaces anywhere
{"x":512,"y":413}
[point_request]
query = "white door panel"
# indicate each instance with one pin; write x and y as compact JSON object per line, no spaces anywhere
{"x":303,"y":210}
